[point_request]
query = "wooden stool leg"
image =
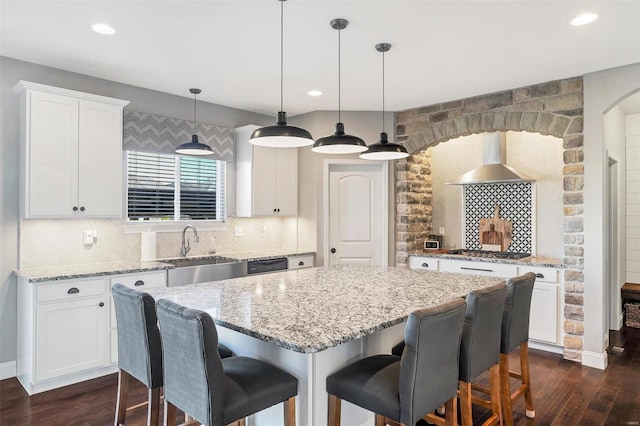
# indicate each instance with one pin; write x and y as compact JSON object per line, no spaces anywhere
{"x":380,"y":420}
{"x":505,"y":389}
{"x":334,"y":411}
{"x":290,"y":412}
{"x":451,"y":412}
{"x":153,"y":408}
{"x":464,"y":393}
{"x":494,"y":378}
{"x":121,"y":400}
{"x":169,"y":414}
{"x":526,"y":379}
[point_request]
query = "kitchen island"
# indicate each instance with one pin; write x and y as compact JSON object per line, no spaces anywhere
{"x":312,"y":322}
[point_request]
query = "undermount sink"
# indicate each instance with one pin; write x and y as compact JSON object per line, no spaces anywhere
{"x":191,"y":271}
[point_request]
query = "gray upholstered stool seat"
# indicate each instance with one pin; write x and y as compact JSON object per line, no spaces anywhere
{"x":370,"y":383}
{"x":405,"y":389}
{"x":214,"y":391}
{"x":251,"y":386}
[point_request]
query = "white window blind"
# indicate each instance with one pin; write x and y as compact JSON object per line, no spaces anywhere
{"x":170,"y":187}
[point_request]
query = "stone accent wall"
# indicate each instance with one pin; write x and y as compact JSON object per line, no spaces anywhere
{"x":553,"y":108}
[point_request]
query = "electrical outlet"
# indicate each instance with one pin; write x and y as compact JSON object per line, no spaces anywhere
{"x":238,"y":231}
{"x":88,"y":236}
{"x":442,"y":230}
{"x":263,"y":231}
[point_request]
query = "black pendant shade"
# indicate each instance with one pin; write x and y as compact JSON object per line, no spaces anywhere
{"x":339,"y":142}
{"x":194,"y":147}
{"x":384,"y":150}
{"x":281,"y":135}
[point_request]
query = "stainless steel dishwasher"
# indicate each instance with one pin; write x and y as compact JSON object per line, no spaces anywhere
{"x":266,"y":265}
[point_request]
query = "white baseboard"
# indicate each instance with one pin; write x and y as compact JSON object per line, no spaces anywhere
{"x":7,"y":370}
{"x":594,"y":359}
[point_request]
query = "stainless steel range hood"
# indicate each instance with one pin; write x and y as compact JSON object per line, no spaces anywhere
{"x":493,"y":169}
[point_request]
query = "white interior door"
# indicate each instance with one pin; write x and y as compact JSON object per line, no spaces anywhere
{"x":357,"y":217}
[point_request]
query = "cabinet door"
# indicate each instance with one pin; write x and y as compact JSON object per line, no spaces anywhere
{"x":264,"y":180}
{"x":71,"y":336}
{"x":286,"y":189}
{"x":100,"y":160}
{"x":52,"y":156}
{"x":543,"y":320}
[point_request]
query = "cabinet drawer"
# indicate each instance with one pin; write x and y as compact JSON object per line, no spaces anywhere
{"x":300,"y":262}
{"x":479,"y":268}
{"x":68,"y":290}
{"x":545,"y":275}
{"x":141,"y":282}
{"x":424,"y":263}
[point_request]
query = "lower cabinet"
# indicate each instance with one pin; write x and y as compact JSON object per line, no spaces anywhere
{"x":66,"y":329}
{"x":545,"y":320}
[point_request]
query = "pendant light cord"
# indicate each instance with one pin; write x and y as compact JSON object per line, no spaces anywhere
{"x":383,"y":92}
{"x":339,"y":79}
{"x":281,"y":54}
{"x":194,"y":112}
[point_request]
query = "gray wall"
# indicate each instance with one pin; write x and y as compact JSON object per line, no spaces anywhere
{"x":144,"y":100}
{"x":364,"y":124}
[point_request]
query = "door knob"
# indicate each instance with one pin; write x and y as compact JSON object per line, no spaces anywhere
{"x":333,"y":250}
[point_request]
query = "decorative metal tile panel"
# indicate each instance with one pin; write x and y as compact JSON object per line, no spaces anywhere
{"x":155,"y":133}
{"x":516,"y":204}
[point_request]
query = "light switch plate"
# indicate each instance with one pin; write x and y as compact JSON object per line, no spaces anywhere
{"x":238,"y":231}
{"x":442,"y":230}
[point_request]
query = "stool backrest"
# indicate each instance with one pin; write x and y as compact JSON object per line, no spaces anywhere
{"x":139,"y":345}
{"x":480,"y":347}
{"x":517,"y":307}
{"x":429,"y":366}
{"x":193,"y":374}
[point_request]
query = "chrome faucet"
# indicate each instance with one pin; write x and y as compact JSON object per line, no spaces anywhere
{"x":185,"y":248}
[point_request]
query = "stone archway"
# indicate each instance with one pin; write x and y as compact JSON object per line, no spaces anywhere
{"x":553,"y":108}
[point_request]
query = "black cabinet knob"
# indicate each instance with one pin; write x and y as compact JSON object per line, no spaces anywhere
{"x":539,"y":275}
{"x":75,"y":209}
{"x":101,"y":304}
{"x":139,"y":283}
{"x":81,"y":209}
{"x":333,"y":250}
{"x":73,"y":290}
{"x":278,"y":210}
{"x":274,"y":210}
{"x":425,"y":265}
{"x":301,"y":263}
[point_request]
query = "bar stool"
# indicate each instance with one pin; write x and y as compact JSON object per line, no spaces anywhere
{"x":515,"y":333}
{"x":139,"y":350}
{"x":480,"y":350}
{"x":405,"y":389}
{"x":212,"y":390}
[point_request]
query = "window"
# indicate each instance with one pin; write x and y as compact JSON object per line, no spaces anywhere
{"x":171,"y":187}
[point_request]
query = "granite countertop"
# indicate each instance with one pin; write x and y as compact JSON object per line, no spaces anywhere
{"x":54,"y":273}
{"x":310,"y":310}
{"x":266,"y":254}
{"x":547,"y":262}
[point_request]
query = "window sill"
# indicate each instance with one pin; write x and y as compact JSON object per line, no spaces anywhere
{"x":172,"y":226}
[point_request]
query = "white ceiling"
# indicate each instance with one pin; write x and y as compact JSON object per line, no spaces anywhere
{"x":442,"y":50}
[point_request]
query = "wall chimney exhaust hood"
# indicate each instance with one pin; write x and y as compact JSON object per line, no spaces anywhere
{"x":493,"y":169}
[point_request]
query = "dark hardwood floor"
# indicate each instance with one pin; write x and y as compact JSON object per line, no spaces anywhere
{"x":564,"y":393}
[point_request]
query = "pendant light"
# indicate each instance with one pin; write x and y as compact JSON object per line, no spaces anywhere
{"x":281,"y":135}
{"x":339,"y":142}
{"x":194,"y":147}
{"x":384,"y":150}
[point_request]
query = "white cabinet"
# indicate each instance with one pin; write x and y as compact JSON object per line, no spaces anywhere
{"x":266,"y":178}
{"x":67,"y":329}
{"x":71,"y":153}
{"x":300,"y":262}
{"x":545,"y":320}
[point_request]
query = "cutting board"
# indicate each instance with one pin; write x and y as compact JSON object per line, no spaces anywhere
{"x":495,"y":233}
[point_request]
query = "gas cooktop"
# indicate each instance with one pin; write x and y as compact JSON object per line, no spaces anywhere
{"x":489,"y":254}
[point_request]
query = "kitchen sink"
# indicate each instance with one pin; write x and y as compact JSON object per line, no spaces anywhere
{"x":191,"y":271}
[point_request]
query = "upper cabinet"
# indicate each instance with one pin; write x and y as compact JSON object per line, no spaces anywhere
{"x":267,"y":178}
{"x":71,"y":153}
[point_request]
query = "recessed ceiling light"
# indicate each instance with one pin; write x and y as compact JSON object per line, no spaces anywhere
{"x":314,"y":93}
{"x":104,"y":29}
{"x":583,"y":19}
